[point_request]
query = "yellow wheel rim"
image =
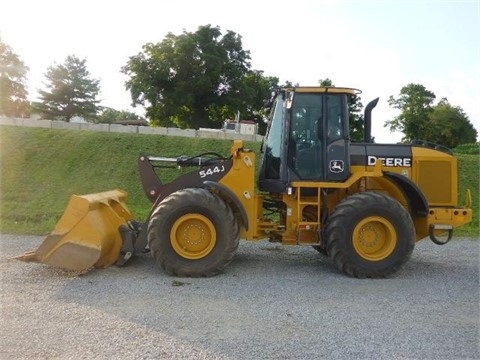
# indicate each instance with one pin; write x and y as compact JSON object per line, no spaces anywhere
{"x":374,"y":238}
{"x":193,"y":236}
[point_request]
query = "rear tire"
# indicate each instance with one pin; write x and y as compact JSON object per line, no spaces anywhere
{"x":193,"y":233}
{"x":370,"y":235}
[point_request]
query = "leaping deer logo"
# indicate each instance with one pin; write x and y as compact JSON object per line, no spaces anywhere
{"x":336,"y":166}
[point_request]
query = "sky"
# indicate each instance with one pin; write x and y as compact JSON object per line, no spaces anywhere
{"x":373,"y":45}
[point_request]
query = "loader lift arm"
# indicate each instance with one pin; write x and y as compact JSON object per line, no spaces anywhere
{"x":154,"y":187}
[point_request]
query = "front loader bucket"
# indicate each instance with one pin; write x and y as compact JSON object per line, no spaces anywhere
{"x":87,"y":234}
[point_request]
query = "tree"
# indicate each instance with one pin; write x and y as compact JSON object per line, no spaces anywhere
{"x":257,"y":89}
{"x":71,"y":92}
{"x":450,"y":126}
{"x":13,"y":93}
{"x":110,"y":116}
{"x":195,"y":79}
{"x":415,"y":105}
{"x":356,"y":123}
{"x":325,"y":82}
{"x":420,"y":119}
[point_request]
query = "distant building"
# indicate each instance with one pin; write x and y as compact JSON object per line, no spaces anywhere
{"x":246,"y":127}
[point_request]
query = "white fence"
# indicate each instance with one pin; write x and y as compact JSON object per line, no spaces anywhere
{"x":53,"y":124}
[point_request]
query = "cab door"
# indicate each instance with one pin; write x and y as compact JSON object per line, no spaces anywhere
{"x":336,"y":137}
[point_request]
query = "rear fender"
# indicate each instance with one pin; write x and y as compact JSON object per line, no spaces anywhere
{"x":417,"y":201}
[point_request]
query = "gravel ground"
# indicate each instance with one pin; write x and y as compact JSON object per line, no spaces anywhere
{"x":273,"y":302}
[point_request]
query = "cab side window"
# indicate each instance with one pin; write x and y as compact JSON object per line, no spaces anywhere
{"x":335,"y":125}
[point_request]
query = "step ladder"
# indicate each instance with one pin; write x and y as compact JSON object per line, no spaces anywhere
{"x":307,"y":231}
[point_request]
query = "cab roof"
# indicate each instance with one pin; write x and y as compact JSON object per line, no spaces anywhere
{"x":323,"y":89}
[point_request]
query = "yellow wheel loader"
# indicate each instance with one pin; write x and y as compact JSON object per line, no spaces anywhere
{"x":362,"y":204}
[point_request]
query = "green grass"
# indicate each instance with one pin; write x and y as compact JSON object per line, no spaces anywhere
{"x":468,"y":178}
{"x":42,"y":168}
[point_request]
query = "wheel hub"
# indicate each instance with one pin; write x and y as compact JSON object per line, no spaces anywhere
{"x":193,"y":236}
{"x":374,"y":238}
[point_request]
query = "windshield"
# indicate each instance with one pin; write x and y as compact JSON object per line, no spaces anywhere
{"x":273,"y":141}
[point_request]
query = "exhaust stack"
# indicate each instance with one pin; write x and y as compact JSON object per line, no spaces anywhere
{"x":367,"y":118}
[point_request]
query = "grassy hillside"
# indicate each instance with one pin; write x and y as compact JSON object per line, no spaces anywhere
{"x":42,"y":168}
{"x":468,"y":178}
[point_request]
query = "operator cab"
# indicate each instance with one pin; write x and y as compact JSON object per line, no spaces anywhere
{"x":307,"y":137}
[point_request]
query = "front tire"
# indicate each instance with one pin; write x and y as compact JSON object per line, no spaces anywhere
{"x":193,"y":233}
{"x":370,"y":235}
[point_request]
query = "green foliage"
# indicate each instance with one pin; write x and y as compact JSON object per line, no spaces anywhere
{"x":110,"y":116}
{"x":415,"y":105}
{"x":325,"y":82}
{"x":257,"y":90}
{"x":449,"y":126}
{"x":468,"y":149}
{"x":197,"y":79}
{"x":71,"y":92}
{"x":13,"y":93}
{"x":468,"y":178}
{"x":443,"y":123}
